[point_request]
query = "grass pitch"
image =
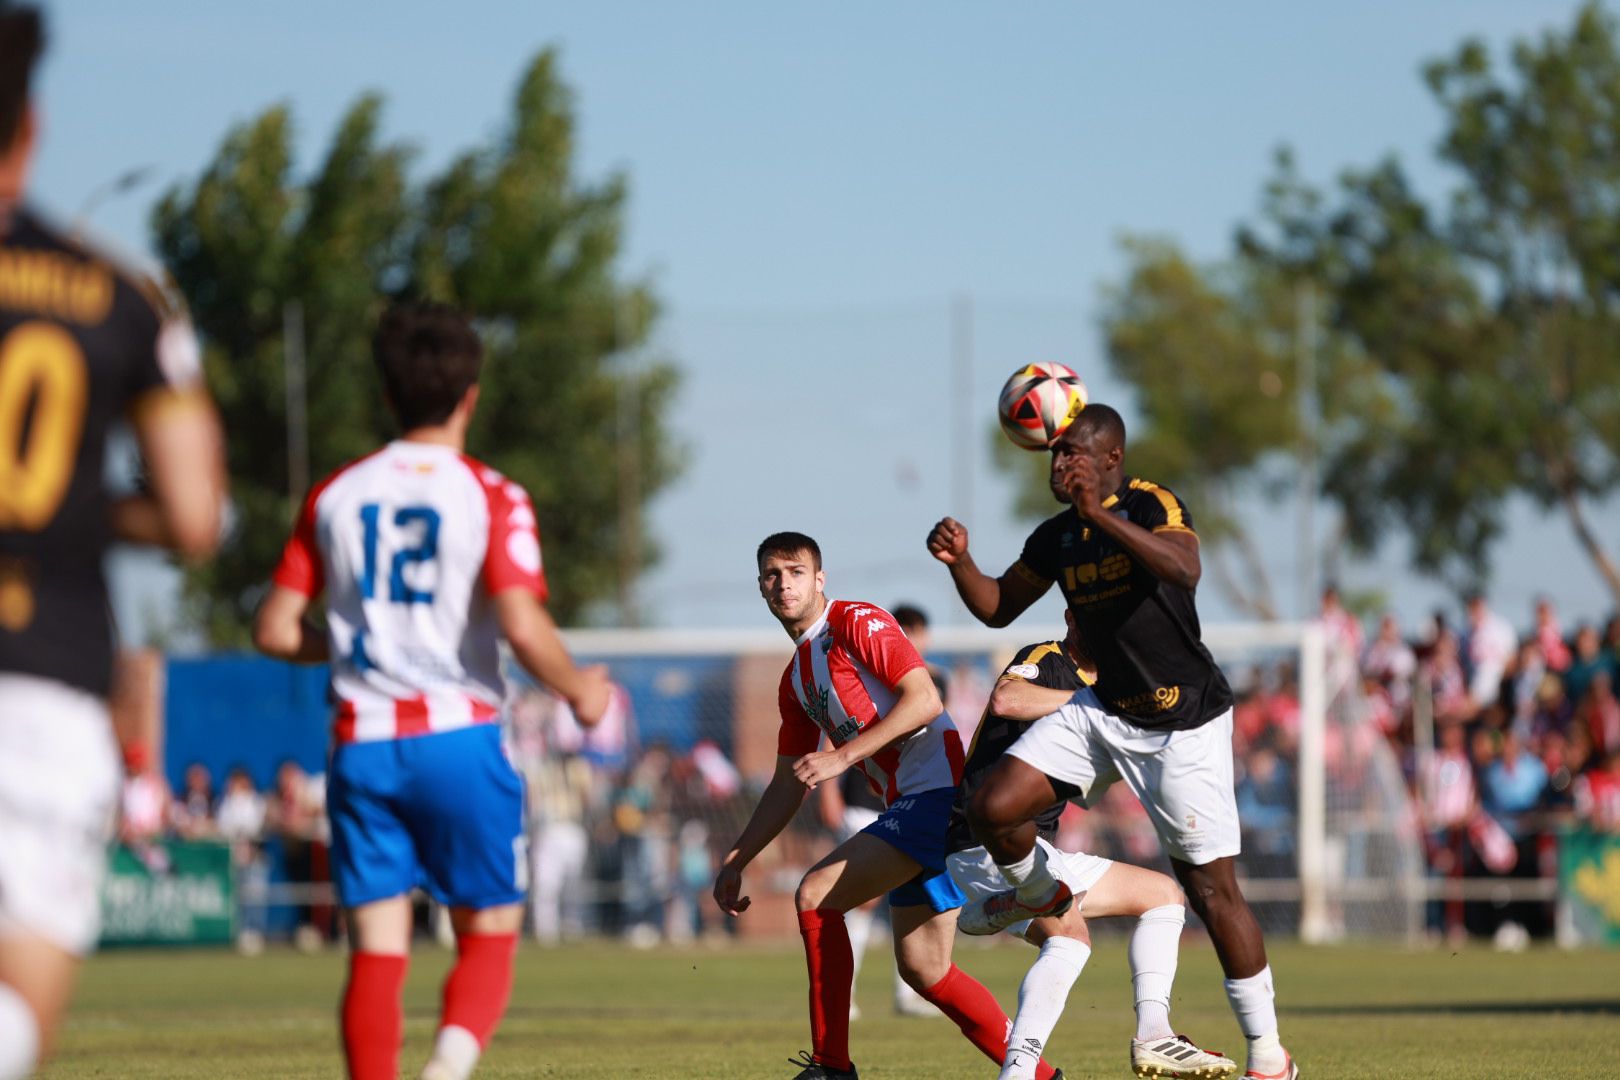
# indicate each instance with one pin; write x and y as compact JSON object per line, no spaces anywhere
{"x":603,"y":1010}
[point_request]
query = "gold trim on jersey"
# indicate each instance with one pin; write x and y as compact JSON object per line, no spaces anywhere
{"x":1032,"y":654}
{"x":1029,"y":574}
{"x":1173,"y":517}
{"x":55,"y":285}
{"x":16,"y":597}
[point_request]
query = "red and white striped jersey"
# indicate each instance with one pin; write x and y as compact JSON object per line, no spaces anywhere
{"x":411,"y":545}
{"x":842,"y":680}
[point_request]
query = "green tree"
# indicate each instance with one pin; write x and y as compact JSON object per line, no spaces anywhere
{"x":1468,"y":350}
{"x":506,"y":232}
{"x":1493,"y":321}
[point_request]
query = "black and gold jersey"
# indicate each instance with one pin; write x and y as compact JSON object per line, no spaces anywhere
{"x":1143,"y":633}
{"x":1045,"y":663}
{"x":82,"y":345}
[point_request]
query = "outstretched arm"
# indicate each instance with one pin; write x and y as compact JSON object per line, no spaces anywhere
{"x":1017,"y":699}
{"x":777,"y":804}
{"x":538,"y":646}
{"x":993,"y":601}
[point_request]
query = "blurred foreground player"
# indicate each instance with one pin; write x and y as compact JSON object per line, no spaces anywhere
{"x":856,"y":679}
{"x":82,"y":346}
{"x":1127,"y":560}
{"x":427,"y":558}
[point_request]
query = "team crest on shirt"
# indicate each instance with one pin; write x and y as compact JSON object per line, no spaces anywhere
{"x":816,"y":705}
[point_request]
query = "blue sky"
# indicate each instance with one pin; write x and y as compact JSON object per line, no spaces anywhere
{"x":811,"y":185}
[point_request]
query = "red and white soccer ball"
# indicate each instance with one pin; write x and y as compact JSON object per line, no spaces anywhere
{"x":1038,"y":402}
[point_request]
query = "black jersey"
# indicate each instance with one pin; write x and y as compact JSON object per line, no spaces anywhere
{"x":1044,"y":663}
{"x":80,"y":347}
{"x":1152,"y":667}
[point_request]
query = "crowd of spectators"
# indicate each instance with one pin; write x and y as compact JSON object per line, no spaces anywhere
{"x":621,"y":836}
{"x":1501,"y":739}
{"x":1506,"y":739}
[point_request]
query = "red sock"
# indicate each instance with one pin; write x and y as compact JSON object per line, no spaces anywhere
{"x":372,"y":1018}
{"x":832,"y":968}
{"x":974,"y":1009}
{"x":478,"y":987}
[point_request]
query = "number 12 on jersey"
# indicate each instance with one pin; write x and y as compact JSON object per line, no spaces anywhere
{"x":424,"y":550}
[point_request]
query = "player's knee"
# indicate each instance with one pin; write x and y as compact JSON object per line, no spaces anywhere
{"x":813,"y":891}
{"x":921,"y":976}
{"x":992,"y":809}
{"x":1164,"y":891}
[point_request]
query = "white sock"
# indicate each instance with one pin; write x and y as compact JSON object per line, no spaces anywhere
{"x":1155,"y":947}
{"x":19,"y":1036}
{"x":455,"y":1054}
{"x":1030,"y":877}
{"x":1254,"y":1002}
{"x":1041,"y":997}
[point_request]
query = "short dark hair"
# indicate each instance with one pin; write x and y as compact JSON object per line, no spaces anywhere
{"x":910,"y":617}
{"x":788,"y":543}
{"x":22,"y":40}
{"x":1103,"y":420}
{"x":429,"y":356}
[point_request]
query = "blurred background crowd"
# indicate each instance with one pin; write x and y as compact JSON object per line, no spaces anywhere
{"x":1504,"y":737}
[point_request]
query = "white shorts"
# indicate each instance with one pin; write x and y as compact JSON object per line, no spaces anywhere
{"x":59,"y":783}
{"x":976,"y":874}
{"x":1182,"y":778}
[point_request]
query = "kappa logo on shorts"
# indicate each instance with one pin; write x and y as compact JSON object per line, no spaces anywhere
{"x":890,"y":824}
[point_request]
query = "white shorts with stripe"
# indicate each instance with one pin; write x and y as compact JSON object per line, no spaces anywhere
{"x":1182,"y":778}
{"x":59,"y":783}
{"x":975,"y":873}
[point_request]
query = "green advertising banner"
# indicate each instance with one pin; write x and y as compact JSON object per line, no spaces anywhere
{"x":1589,"y":885}
{"x":180,"y":894}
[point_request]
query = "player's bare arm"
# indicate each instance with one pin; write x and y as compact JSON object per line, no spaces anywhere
{"x":778,"y":803}
{"x":181,"y":443}
{"x":1169,"y":556}
{"x":830,"y":806}
{"x":1018,"y":699}
{"x":917,"y":706}
{"x":993,"y":601}
{"x":538,"y":646}
{"x":282,"y":628}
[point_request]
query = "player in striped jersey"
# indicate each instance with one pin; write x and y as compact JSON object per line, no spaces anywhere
{"x":857,"y":681}
{"x":426,"y":558}
{"x":1042,"y":678}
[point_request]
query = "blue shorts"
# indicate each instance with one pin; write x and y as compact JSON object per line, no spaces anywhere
{"x":915,"y":824}
{"x":443,"y":811}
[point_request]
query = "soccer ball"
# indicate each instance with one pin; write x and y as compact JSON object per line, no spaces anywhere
{"x":1038,"y":402}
